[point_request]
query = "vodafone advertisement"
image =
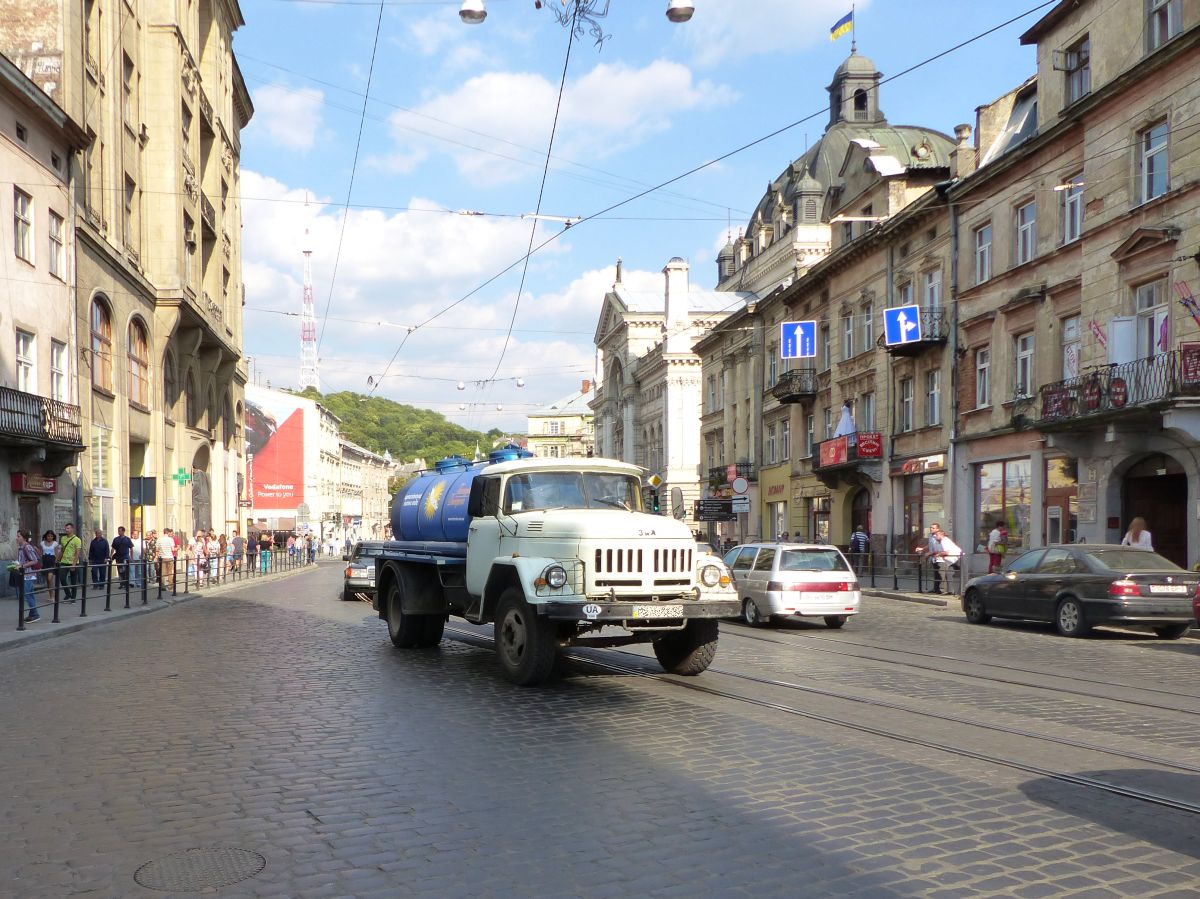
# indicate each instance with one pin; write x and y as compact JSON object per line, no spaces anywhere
{"x":275,"y":444}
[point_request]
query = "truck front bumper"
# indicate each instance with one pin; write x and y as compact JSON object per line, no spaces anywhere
{"x":639,"y":613}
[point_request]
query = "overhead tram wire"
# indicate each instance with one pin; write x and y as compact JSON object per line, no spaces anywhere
{"x":353,"y":170}
{"x":704,"y":165}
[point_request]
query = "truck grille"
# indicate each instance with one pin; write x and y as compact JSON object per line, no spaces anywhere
{"x":647,"y":567}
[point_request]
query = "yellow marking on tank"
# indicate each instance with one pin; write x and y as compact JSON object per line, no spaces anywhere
{"x":433,"y":497}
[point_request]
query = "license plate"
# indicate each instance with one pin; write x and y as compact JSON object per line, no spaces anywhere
{"x":657,"y":612}
{"x":1168,"y":588}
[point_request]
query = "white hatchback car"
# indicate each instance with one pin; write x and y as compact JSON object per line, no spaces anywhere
{"x":774,"y":580}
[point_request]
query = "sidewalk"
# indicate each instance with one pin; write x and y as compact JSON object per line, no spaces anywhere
{"x":70,"y":621}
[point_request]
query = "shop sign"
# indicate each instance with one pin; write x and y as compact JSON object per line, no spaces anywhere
{"x":32,"y":483}
{"x":920,"y":465}
{"x":1055,"y":403}
{"x":870,"y":445}
{"x":834,"y":451}
{"x":1091,"y":395}
{"x":1118,"y":393}
{"x":1189,"y":364}
{"x":777,"y":490}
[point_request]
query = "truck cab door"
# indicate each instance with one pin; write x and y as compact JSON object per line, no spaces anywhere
{"x":483,"y":532}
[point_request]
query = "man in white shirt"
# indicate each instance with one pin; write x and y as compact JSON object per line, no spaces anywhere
{"x":166,"y":555}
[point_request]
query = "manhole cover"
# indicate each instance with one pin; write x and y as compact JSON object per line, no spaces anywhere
{"x":196,"y":870}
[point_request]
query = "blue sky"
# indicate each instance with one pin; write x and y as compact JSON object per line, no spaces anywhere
{"x":458,"y":119}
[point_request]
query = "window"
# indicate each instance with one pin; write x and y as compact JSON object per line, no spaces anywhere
{"x":1070,"y":347}
{"x":170,"y":391}
{"x":809,"y":434}
{"x":22,"y":225}
{"x":825,"y":347}
{"x":860,"y":105}
{"x":828,"y":423}
{"x":1003,"y":492}
{"x":931,"y":289}
{"x":191,"y":402}
{"x":139,"y":365}
{"x":847,"y":336}
{"x":983,"y":253}
{"x":1164,"y":22}
{"x":785,"y":440}
{"x":983,"y":364}
{"x":101,"y":345}
{"x":772,"y":365}
{"x":189,"y":247}
{"x":1152,"y":161}
{"x":712,"y":393}
{"x":554,"y":428}
{"x":1024,"y":365}
{"x":1072,"y":207}
{"x":868,"y":327}
{"x":906,"y":404}
{"x":26,"y":362}
{"x":186,"y":128}
{"x":59,"y":385}
{"x":770,"y":448}
{"x":1026,"y":232}
{"x":847,"y":232}
{"x":101,"y":450}
{"x":1153,"y":328}
{"x":57,"y":247}
{"x":128,"y":106}
{"x":130,"y":235}
{"x":866,"y":412}
{"x":933,"y":397}
{"x":1078,"y":65}
{"x":904,"y":294}
{"x":22,"y":134}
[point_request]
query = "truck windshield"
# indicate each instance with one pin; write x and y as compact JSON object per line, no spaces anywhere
{"x":542,"y":490}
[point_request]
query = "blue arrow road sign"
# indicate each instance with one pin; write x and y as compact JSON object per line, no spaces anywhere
{"x":902,"y":325}
{"x":798,"y":340}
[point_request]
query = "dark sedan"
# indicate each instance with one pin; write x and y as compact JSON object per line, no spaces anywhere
{"x":1082,"y":585}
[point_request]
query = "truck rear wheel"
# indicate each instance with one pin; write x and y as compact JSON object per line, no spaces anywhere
{"x":525,"y":643}
{"x":407,"y":630}
{"x":689,"y":651}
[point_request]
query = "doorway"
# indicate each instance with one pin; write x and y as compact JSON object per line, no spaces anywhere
{"x":1156,"y":488}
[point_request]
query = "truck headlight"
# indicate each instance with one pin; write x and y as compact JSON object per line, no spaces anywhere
{"x":710,"y":575}
{"x":556,"y":576}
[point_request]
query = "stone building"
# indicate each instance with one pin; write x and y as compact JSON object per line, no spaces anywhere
{"x":40,"y":434}
{"x":1079,"y":236}
{"x":565,"y":428}
{"x":157,"y":275}
{"x":365,"y":500}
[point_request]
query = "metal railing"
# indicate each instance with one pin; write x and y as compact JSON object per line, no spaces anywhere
{"x":1112,"y":388}
{"x":720,"y":474}
{"x":860,"y":446}
{"x":795,"y":385}
{"x":39,"y":418}
{"x":909,"y":572}
{"x":131,"y":581}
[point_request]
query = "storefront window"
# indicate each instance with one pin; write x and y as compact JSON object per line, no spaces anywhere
{"x":1003,"y":493}
{"x":777,"y":515}
{"x":818,"y":518}
{"x":1062,"y":500}
{"x":924,"y":503}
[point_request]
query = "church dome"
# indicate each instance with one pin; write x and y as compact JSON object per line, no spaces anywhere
{"x":855,"y":65}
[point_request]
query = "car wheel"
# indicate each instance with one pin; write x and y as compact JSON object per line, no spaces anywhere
{"x":751,"y":615}
{"x":689,"y":651}
{"x":525,"y":642}
{"x":347,"y":595}
{"x":1070,"y":619}
{"x":1172,"y":631}
{"x":974,"y":609}
{"x":835,"y":621}
{"x":409,"y":631}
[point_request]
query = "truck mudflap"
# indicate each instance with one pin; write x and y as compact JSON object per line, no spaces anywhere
{"x":647,"y":612}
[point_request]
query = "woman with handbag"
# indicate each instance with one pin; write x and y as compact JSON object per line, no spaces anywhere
{"x":49,"y":558}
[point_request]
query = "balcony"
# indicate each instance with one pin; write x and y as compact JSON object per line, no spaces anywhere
{"x":26,"y":418}
{"x":935,"y":330}
{"x":796,"y":386}
{"x":861,"y":452}
{"x":206,"y":113}
{"x":1119,"y":389}
{"x":208,"y":215}
{"x":722,"y":475}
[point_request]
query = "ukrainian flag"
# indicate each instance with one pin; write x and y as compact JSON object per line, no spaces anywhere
{"x":844,"y":25}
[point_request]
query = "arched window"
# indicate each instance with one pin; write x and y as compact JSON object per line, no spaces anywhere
{"x":860,"y":102}
{"x":139,"y":364}
{"x":170,"y":388}
{"x":191,"y":402}
{"x":810,"y":210}
{"x":228,"y":426}
{"x":101,"y":345}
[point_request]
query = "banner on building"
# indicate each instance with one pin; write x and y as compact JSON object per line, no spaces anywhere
{"x":275,"y":441}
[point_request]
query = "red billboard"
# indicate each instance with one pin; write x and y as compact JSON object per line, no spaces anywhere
{"x":275,"y":448}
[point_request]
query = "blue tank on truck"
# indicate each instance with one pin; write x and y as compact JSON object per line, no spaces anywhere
{"x":432,"y":508}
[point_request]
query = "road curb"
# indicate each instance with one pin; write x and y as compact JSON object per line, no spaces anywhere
{"x":906,"y":597}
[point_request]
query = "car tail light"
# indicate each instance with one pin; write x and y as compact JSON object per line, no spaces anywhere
{"x":349,"y":571}
{"x":1124,"y":587}
{"x":824,"y":587}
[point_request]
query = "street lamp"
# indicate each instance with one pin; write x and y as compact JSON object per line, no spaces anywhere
{"x":473,"y":12}
{"x":680,"y":11}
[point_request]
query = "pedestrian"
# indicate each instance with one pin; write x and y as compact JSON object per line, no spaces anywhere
{"x":213,"y":552}
{"x":197,"y":566}
{"x":49,"y":558}
{"x":784,"y":537}
{"x":291,"y":545}
{"x":860,"y":544}
{"x":70,"y":548}
{"x":150,"y":567}
{"x":28,"y":564}
{"x":122,"y":546}
{"x":165,"y":549}
{"x":251,"y":552}
{"x":137,"y":559}
{"x":943,"y":553}
{"x":997,"y":546}
{"x":237,"y":549}
{"x":264,"y":550}
{"x":312,"y":550}
{"x":1137,"y":536}
{"x":97,"y":557}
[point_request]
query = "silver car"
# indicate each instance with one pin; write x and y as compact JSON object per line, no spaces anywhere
{"x":360,"y":570}
{"x":776,"y":580}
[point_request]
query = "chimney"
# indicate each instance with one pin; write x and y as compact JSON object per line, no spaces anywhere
{"x":677,"y":321}
{"x":964,"y":156}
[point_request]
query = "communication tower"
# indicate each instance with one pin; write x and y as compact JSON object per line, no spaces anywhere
{"x":309,"y":375}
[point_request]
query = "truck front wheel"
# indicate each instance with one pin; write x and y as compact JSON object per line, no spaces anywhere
{"x":408,"y":630}
{"x":525,"y":643}
{"x":689,"y":651}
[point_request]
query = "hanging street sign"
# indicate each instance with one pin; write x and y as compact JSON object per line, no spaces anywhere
{"x":901,"y":325}
{"x":798,"y":340}
{"x":181,"y":477}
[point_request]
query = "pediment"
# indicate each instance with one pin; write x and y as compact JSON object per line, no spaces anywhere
{"x":1143,"y":240}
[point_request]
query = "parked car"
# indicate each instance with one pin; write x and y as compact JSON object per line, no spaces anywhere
{"x":775,"y":580}
{"x":360,"y":570}
{"x":1082,"y":585}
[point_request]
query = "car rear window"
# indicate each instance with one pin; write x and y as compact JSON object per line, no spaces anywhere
{"x":1132,"y":560}
{"x":370,"y":551}
{"x":812,"y":560}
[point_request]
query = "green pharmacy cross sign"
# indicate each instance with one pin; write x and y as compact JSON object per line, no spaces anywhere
{"x":181,"y":477}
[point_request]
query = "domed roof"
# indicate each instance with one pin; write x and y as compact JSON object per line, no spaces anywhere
{"x":726,"y":250}
{"x":855,"y":65}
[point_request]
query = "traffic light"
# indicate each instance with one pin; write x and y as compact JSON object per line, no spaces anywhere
{"x":654,"y":500}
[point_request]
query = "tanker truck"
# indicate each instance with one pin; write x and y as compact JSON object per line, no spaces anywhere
{"x":552,"y":553}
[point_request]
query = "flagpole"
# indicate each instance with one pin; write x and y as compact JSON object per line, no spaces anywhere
{"x":853,"y":25}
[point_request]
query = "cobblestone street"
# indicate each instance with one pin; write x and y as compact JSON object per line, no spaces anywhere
{"x":278,"y":720}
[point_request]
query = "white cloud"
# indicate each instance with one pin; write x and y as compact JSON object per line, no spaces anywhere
{"x":432,"y":32}
{"x":290,"y":116}
{"x":724,"y":29}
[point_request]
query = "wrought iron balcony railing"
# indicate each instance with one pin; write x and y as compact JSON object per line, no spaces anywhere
{"x":935,"y":330}
{"x":848,"y":450}
{"x":1119,"y":387}
{"x":38,"y":419}
{"x":724,"y":474}
{"x":796,"y":385}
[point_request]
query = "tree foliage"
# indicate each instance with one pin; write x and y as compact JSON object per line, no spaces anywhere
{"x":408,"y":433}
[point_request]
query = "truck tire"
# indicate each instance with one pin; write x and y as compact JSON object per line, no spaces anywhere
{"x":689,"y":651}
{"x":525,"y":643}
